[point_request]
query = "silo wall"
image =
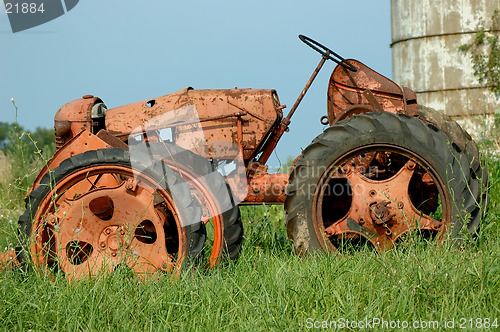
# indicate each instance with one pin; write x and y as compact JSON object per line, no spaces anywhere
{"x":426,"y":36}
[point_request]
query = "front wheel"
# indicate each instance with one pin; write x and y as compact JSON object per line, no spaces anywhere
{"x":97,"y":211}
{"x":219,"y":213}
{"x":375,"y":178}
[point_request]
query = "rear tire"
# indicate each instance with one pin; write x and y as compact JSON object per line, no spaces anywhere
{"x":425,"y":144}
{"x":479,"y":170}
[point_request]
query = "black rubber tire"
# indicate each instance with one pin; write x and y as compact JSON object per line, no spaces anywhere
{"x":188,"y":208}
{"x":232,"y":226}
{"x":398,"y":130}
{"x":464,"y":141}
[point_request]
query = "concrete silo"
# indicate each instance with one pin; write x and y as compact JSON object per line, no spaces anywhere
{"x":426,"y":36}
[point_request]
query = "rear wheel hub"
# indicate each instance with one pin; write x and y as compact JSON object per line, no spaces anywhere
{"x":380,"y":213}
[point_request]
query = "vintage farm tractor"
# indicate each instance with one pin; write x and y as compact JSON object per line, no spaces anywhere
{"x":150,"y":184}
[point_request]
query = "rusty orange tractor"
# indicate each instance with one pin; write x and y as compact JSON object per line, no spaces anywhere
{"x":150,"y":184}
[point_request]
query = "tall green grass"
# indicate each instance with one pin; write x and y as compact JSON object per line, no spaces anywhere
{"x":268,"y":288}
{"x":22,"y":160}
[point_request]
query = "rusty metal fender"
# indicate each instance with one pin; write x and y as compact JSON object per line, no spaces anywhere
{"x":83,"y":141}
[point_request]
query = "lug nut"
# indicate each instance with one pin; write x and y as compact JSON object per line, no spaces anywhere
{"x":107,"y":231}
{"x":131,"y":185}
{"x":103,"y":245}
{"x":113,"y":254}
{"x":52,"y":220}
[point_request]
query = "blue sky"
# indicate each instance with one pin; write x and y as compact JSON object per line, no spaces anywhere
{"x":127,"y":51}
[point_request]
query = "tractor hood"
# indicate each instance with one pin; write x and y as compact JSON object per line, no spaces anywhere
{"x":218,"y":113}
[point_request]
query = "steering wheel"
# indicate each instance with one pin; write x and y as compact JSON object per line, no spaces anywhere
{"x":327,"y":53}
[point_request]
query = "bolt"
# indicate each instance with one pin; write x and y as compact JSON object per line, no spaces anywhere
{"x":373,"y":193}
{"x":401,"y":205}
{"x":346,"y":169}
{"x":361,"y":221}
{"x":107,"y":231}
{"x":103,"y":245}
{"x":411,"y":164}
{"x":388,"y":232}
{"x":113,"y":254}
{"x":130,"y":185}
{"x":164,"y":266}
{"x":122,"y":232}
{"x":52,"y":220}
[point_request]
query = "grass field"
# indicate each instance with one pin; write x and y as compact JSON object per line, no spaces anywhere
{"x":268,"y":288}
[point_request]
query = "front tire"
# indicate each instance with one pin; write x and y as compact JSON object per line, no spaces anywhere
{"x":96,"y":211}
{"x":220,"y":215}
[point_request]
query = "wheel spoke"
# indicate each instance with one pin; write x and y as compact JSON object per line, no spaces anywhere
{"x":414,"y":218}
{"x":369,"y":191}
{"x":348,"y":228}
{"x":132,"y":209}
{"x":147,"y":258}
{"x":380,"y":210}
{"x":348,"y":225}
{"x":429,"y":223}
